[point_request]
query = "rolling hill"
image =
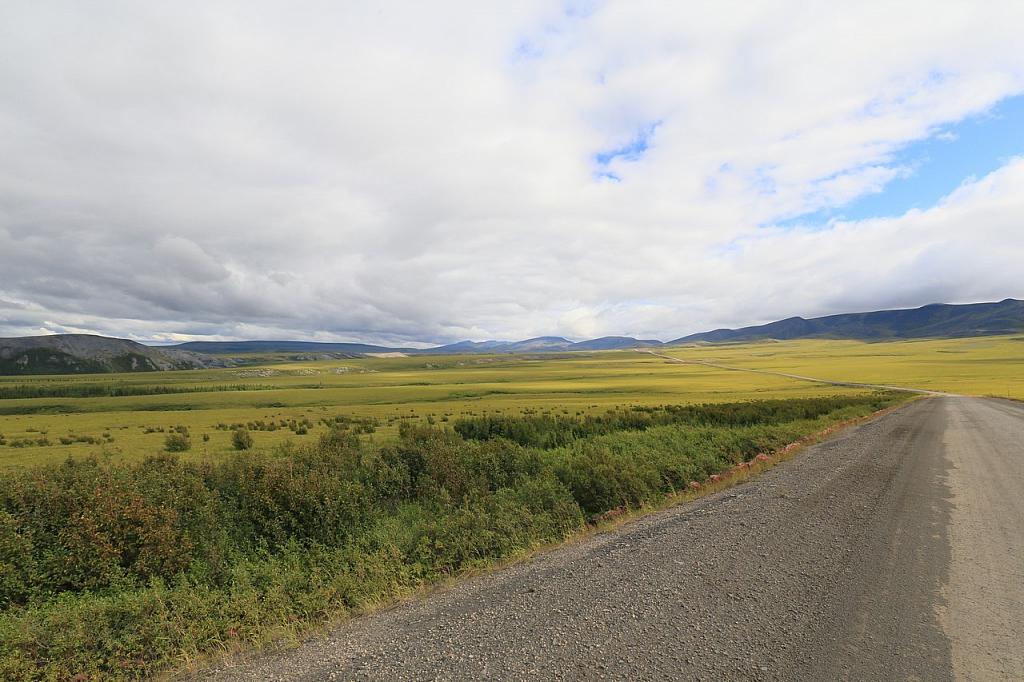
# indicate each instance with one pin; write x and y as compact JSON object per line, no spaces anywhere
{"x":936,"y":320}
{"x":543,"y":344}
{"x":89,"y":354}
{"x":312,"y":347}
{"x":614,"y":343}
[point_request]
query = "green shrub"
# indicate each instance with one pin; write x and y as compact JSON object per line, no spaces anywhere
{"x":241,"y":439}
{"x":553,"y":431}
{"x":177,"y":442}
{"x":17,"y":565}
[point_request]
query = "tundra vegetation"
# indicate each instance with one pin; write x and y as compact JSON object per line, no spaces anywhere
{"x":50,"y":418}
{"x":117,"y":570}
{"x":136,"y":536}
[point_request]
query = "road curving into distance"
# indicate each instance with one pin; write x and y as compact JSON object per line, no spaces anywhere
{"x":894,"y":551}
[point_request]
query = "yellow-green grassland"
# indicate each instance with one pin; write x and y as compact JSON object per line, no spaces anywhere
{"x":390,"y":391}
{"x":982,"y":366}
{"x":148,"y":520}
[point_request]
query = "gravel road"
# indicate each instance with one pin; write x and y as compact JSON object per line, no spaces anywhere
{"x":890,"y":552}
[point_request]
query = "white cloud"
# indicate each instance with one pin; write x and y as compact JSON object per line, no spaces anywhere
{"x":966,"y":248}
{"x":401,"y":171}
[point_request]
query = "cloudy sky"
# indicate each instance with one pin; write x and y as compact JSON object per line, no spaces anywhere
{"x":407,"y":171}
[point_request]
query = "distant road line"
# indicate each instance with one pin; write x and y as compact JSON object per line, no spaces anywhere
{"x":800,"y":377}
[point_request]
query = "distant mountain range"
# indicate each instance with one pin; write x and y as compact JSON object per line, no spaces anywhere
{"x":541,"y":344}
{"x":937,"y":320}
{"x":83,"y":353}
{"x":236,"y":347}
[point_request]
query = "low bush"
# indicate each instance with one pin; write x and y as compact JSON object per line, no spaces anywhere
{"x":241,"y":439}
{"x":177,"y":442}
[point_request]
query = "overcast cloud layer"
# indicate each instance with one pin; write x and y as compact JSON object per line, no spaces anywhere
{"x":430,"y":172}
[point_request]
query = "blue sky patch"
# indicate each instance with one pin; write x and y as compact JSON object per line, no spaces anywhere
{"x":971,"y":148}
{"x":631,"y":151}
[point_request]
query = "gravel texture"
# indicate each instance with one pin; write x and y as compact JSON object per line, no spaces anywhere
{"x":837,"y":564}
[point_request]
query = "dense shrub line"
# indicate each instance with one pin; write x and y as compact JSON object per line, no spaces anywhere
{"x":81,"y":390}
{"x":551,"y":431}
{"x":117,"y":570}
{"x":299,"y":427}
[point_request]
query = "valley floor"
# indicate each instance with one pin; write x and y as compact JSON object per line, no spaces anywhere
{"x":133,"y":422}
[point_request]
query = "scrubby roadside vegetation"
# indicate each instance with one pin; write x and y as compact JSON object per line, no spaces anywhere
{"x":118,"y":571}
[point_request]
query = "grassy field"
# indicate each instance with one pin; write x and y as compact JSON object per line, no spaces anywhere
{"x":388,"y":390}
{"x":985,"y":366}
{"x":391,"y":391}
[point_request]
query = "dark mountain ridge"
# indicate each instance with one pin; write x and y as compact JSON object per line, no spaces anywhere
{"x":935,"y":320}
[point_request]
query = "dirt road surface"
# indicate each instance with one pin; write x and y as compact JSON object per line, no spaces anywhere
{"x":894,"y":551}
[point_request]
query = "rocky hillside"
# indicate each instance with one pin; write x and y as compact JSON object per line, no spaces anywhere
{"x":88,"y":354}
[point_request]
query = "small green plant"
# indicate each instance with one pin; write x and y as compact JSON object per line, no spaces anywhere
{"x":177,"y":442}
{"x":241,"y":439}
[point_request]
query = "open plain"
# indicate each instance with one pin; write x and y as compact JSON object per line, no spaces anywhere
{"x":390,"y":391}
